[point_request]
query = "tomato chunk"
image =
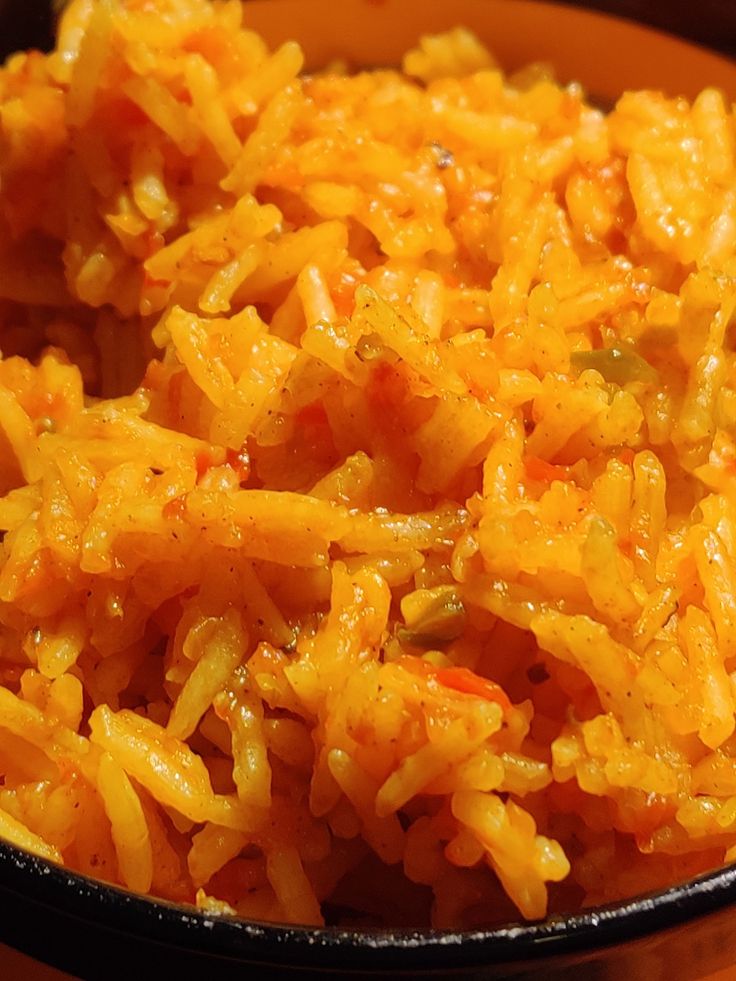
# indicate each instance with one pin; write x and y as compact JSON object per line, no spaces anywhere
{"x":469,"y":683}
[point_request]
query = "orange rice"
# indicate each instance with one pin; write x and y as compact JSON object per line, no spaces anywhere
{"x":402,"y":587}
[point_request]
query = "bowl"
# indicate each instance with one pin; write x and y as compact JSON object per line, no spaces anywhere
{"x":94,"y":930}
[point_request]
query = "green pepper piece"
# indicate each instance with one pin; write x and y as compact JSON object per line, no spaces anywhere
{"x":442,"y":621}
{"x":618,"y":365}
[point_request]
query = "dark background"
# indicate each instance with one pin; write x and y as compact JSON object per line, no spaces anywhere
{"x":25,"y":24}
{"x":710,"y":22}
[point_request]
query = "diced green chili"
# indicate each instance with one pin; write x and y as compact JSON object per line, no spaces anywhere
{"x":618,"y":365}
{"x":442,"y":620}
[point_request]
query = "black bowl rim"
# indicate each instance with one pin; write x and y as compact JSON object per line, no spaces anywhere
{"x":185,"y":928}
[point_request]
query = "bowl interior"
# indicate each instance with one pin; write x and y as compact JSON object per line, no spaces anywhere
{"x":606,"y":54}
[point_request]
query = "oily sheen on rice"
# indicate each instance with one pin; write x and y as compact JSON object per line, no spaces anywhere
{"x":367,"y":475}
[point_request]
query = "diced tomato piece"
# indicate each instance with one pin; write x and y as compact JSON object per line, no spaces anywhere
{"x":239,"y":461}
{"x":313,"y":414}
{"x":202,"y":461}
{"x":462,"y":680}
{"x":538,"y":469}
{"x":469,"y":683}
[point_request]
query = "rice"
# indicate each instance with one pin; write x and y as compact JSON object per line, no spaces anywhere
{"x":367,"y":461}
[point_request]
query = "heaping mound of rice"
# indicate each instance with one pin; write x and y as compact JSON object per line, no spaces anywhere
{"x":402,"y":587}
